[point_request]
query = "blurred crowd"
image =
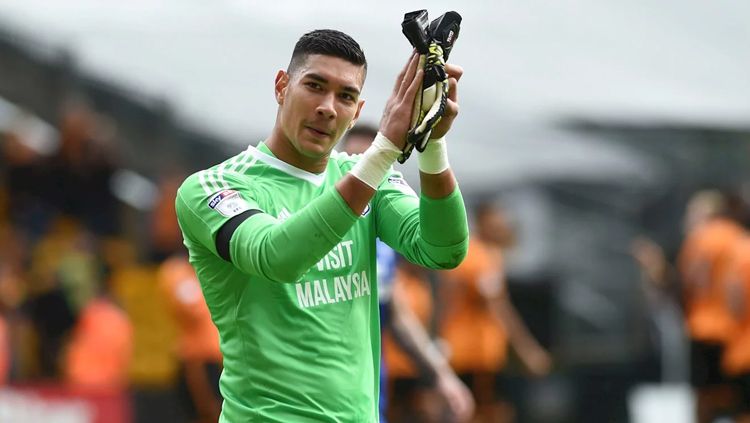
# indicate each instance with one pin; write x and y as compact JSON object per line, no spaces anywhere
{"x":93,"y":293}
{"x":97,"y":295}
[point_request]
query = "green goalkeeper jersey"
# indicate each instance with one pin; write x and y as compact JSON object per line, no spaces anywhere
{"x":292,"y":287}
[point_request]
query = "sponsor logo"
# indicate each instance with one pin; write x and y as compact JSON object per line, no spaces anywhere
{"x":220,"y":196}
{"x":228,"y":203}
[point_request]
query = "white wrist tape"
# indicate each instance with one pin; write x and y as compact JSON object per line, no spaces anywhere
{"x":434,"y":158}
{"x":376,"y":161}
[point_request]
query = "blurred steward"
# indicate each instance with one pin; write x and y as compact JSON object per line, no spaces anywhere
{"x":198,"y":340}
{"x":478,"y":320}
{"x":452,"y":400}
{"x":711,"y":235}
{"x":735,"y":361}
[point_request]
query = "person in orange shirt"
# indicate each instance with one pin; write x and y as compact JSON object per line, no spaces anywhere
{"x":411,"y":295}
{"x":418,"y":389}
{"x":198,"y":340}
{"x":703,"y":263}
{"x":101,"y":347}
{"x":735,"y":361}
{"x":11,"y":296}
{"x":478,"y":320}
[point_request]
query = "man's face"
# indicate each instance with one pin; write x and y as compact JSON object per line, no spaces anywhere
{"x":318,"y":101}
{"x":493,"y":228}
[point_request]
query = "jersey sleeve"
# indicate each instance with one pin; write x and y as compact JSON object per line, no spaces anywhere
{"x":430,"y":232}
{"x":258,"y":243}
{"x":204,"y":204}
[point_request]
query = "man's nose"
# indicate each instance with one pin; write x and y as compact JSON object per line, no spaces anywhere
{"x":326,"y":107}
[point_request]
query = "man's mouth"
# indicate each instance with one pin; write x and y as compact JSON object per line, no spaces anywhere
{"x":319,"y":132}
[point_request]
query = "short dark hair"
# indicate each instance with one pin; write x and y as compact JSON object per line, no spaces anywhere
{"x":328,"y":42}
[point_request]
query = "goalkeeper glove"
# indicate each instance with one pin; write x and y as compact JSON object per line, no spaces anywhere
{"x":434,"y":43}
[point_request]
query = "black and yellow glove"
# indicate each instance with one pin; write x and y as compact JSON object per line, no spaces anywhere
{"x":434,"y":43}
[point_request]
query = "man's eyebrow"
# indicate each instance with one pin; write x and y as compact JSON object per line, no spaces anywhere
{"x":322,"y":80}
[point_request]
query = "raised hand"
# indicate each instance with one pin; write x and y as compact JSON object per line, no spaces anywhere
{"x":451,"y":106}
{"x":396,"y":118}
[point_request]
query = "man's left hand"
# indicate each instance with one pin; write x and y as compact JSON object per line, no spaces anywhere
{"x":451,"y":106}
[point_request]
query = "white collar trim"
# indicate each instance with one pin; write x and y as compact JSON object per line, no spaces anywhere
{"x":316,"y":179}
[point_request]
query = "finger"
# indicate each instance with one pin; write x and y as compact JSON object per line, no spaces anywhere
{"x":400,"y":77}
{"x":416,"y":84}
{"x":453,"y":89}
{"x":451,"y":109}
{"x":454,"y":71}
{"x":410,"y":74}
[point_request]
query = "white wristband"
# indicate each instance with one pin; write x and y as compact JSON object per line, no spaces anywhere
{"x":376,"y":161}
{"x":434,"y":158}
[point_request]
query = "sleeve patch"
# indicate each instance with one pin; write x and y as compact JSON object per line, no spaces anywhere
{"x":228,"y":203}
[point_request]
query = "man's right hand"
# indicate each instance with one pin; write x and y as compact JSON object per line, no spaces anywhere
{"x":396,"y":119}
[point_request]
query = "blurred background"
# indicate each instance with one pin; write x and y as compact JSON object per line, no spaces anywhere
{"x":611,"y":140}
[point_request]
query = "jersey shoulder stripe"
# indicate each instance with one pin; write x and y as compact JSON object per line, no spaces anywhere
{"x":214,"y":178}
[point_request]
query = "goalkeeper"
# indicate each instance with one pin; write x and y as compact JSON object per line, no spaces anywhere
{"x":282,"y":238}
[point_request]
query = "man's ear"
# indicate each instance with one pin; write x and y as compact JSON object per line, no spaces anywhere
{"x":280,"y":85}
{"x":356,"y":115}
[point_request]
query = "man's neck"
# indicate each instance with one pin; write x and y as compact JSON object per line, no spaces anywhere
{"x":283,"y":149}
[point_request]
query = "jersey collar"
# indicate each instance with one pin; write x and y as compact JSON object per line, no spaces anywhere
{"x":264,"y":154}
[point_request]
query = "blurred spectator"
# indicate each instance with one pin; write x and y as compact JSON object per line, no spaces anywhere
{"x":62,"y":278}
{"x":153,"y":372}
{"x":404,"y":329}
{"x":80,"y":172}
{"x":736,"y":358}
{"x":25,"y":179}
{"x":15,"y":360}
{"x":412,"y":395}
{"x":478,"y":320}
{"x":101,"y":346}
{"x":661,"y":291}
{"x":703,"y":263}
{"x":198,"y":340}
{"x":5,"y":351}
{"x":10,"y":297}
{"x":165,"y":233}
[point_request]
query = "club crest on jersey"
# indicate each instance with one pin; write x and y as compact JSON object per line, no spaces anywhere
{"x":228,"y":203}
